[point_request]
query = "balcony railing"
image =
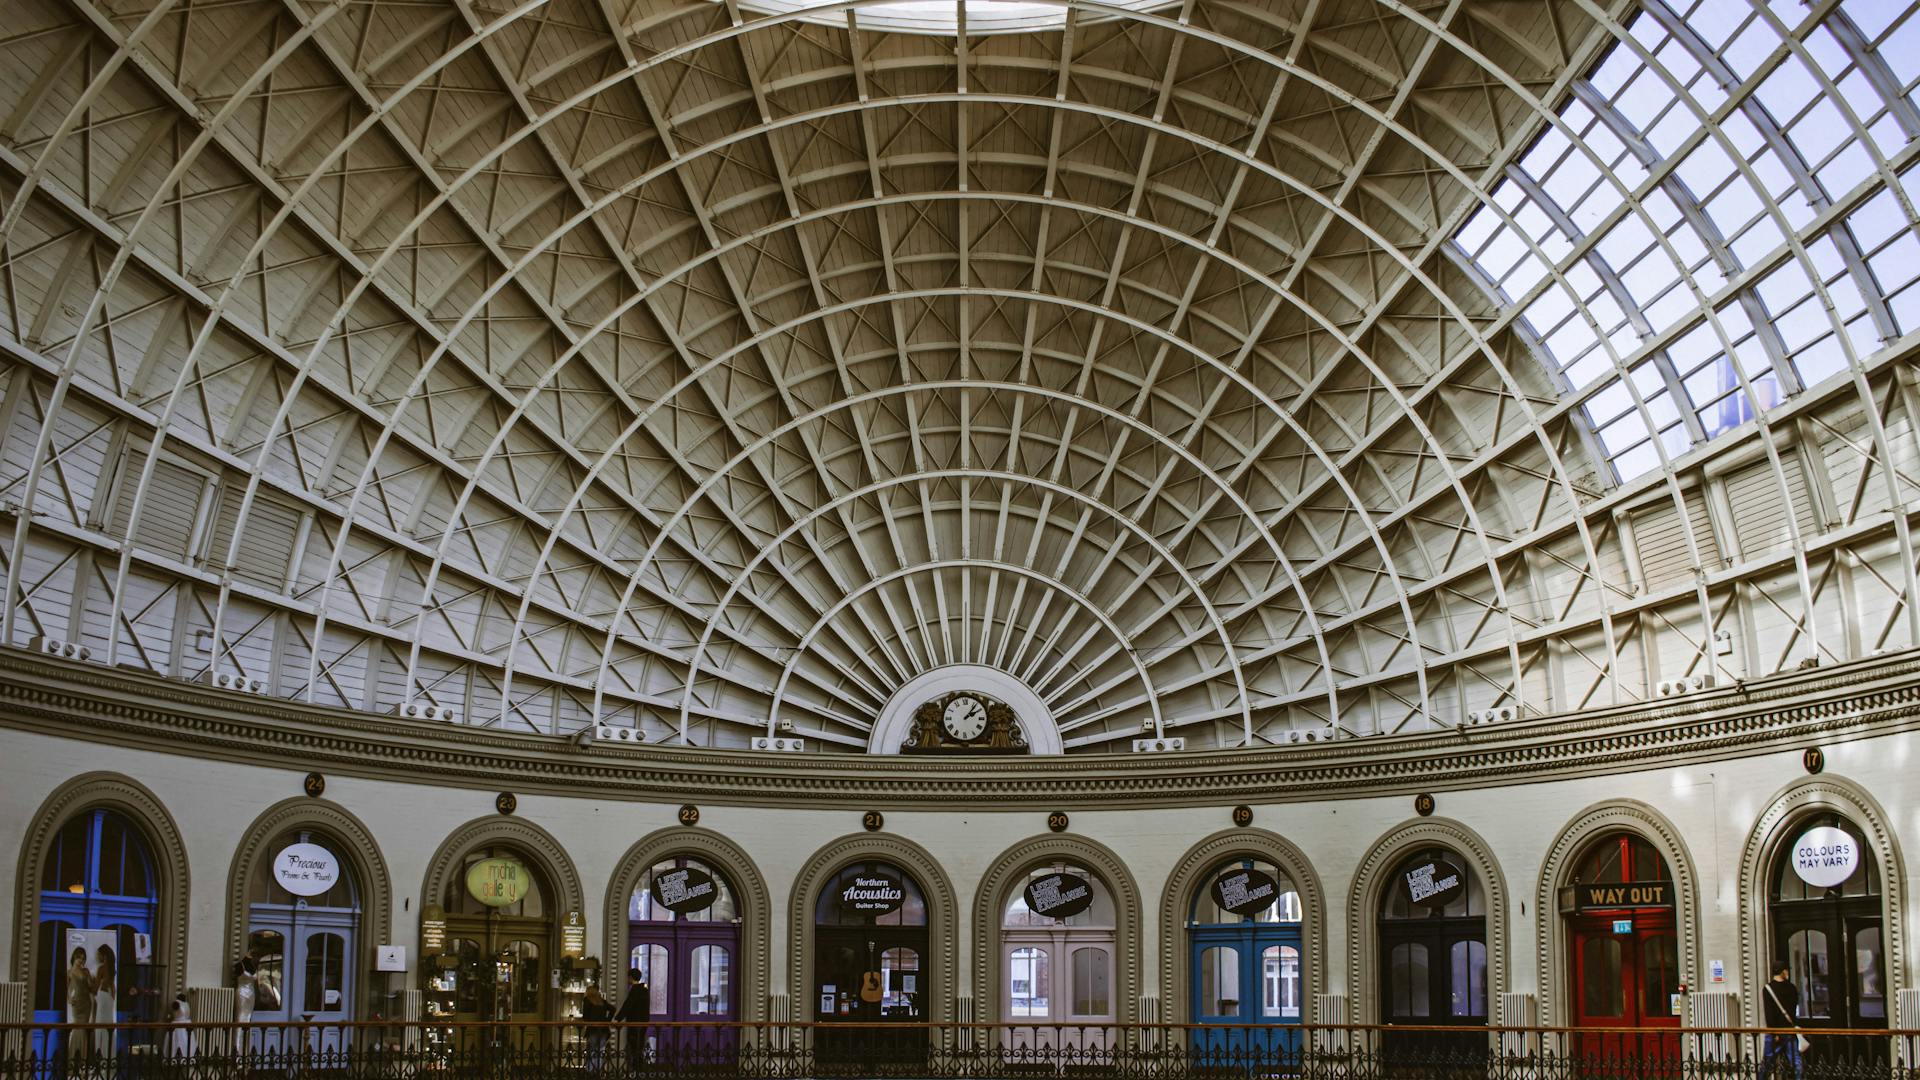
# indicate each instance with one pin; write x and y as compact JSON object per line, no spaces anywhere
{"x":376,"y":1050}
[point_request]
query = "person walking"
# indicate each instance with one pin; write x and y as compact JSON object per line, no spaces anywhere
{"x":634,"y":1014}
{"x":1780,"y":1003}
{"x":596,"y":1011}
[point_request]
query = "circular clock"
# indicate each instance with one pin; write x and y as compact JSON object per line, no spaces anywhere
{"x":965,"y":718}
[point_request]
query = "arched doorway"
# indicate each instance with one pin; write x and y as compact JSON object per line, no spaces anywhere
{"x":683,"y":936}
{"x":1623,"y":955}
{"x":1825,"y":914}
{"x":494,"y":957}
{"x":1246,"y":961}
{"x":303,"y":932}
{"x":1433,"y":956}
{"x":871,"y":963}
{"x":98,"y":912}
{"x":1058,"y":931}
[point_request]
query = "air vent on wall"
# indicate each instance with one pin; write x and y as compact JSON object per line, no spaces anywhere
{"x":1692,"y":684}
{"x":779,"y":744}
{"x":239,"y":684}
{"x":421,"y":710}
{"x":66,"y":650}
{"x":1159,"y":746}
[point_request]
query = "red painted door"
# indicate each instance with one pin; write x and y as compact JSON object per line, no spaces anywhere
{"x":1625,"y":968}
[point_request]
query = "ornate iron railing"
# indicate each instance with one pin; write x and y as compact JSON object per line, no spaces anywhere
{"x":375,"y":1050}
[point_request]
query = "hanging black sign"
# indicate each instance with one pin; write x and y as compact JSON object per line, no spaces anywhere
{"x":1245,"y":891}
{"x":685,"y":890}
{"x":1629,"y":894}
{"x":1059,"y":896}
{"x":1435,"y":884}
{"x":873,"y":894}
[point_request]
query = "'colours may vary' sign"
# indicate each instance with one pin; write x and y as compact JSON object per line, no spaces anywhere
{"x":1825,"y":856}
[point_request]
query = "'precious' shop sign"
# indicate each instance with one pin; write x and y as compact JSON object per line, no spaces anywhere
{"x":306,"y":869}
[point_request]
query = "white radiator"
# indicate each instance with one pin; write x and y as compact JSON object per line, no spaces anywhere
{"x":1332,"y":1010}
{"x":13,"y":1010}
{"x":1712,"y":1009}
{"x":1906,"y":1016}
{"x":409,"y":1005}
{"x":213,"y":1005}
{"x":1517,"y":1010}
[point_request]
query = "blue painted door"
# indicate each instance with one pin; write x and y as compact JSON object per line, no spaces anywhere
{"x":1246,"y":985}
{"x":98,"y":875}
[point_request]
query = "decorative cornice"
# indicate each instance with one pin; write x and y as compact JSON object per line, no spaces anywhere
{"x":79,"y":700}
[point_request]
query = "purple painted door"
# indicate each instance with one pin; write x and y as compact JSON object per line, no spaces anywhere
{"x":692,"y":974}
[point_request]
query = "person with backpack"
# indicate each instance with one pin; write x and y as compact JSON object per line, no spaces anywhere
{"x":1780,"y":1003}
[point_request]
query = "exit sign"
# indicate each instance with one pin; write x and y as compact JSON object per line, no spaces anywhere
{"x":1623,"y":926}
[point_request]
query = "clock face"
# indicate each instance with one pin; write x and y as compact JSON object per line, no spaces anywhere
{"x":965,"y":718}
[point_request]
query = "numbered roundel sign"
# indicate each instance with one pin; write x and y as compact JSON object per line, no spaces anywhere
{"x":873,"y":821}
{"x":1057,"y":821}
{"x":689,"y":815}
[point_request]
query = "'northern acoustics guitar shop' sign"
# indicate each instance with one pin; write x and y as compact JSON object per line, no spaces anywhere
{"x":1059,"y":896}
{"x":873,"y":894}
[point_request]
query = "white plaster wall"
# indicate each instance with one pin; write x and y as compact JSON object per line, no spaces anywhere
{"x":1714,"y":807}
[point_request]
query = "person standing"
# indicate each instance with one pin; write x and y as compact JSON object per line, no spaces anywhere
{"x":596,"y":1011}
{"x":634,"y":1014}
{"x":180,"y":1037}
{"x":1780,"y":1003}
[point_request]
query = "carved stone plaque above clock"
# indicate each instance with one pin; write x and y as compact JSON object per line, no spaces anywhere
{"x":964,"y":721}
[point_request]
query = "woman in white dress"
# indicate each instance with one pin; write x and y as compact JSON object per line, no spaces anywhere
{"x":106,"y":1009}
{"x":246,"y":983}
{"x":180,"y":1039}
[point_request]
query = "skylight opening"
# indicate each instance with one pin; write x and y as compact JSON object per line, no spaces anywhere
{"x":942,"y":17}
{"x":1806,"y":131}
